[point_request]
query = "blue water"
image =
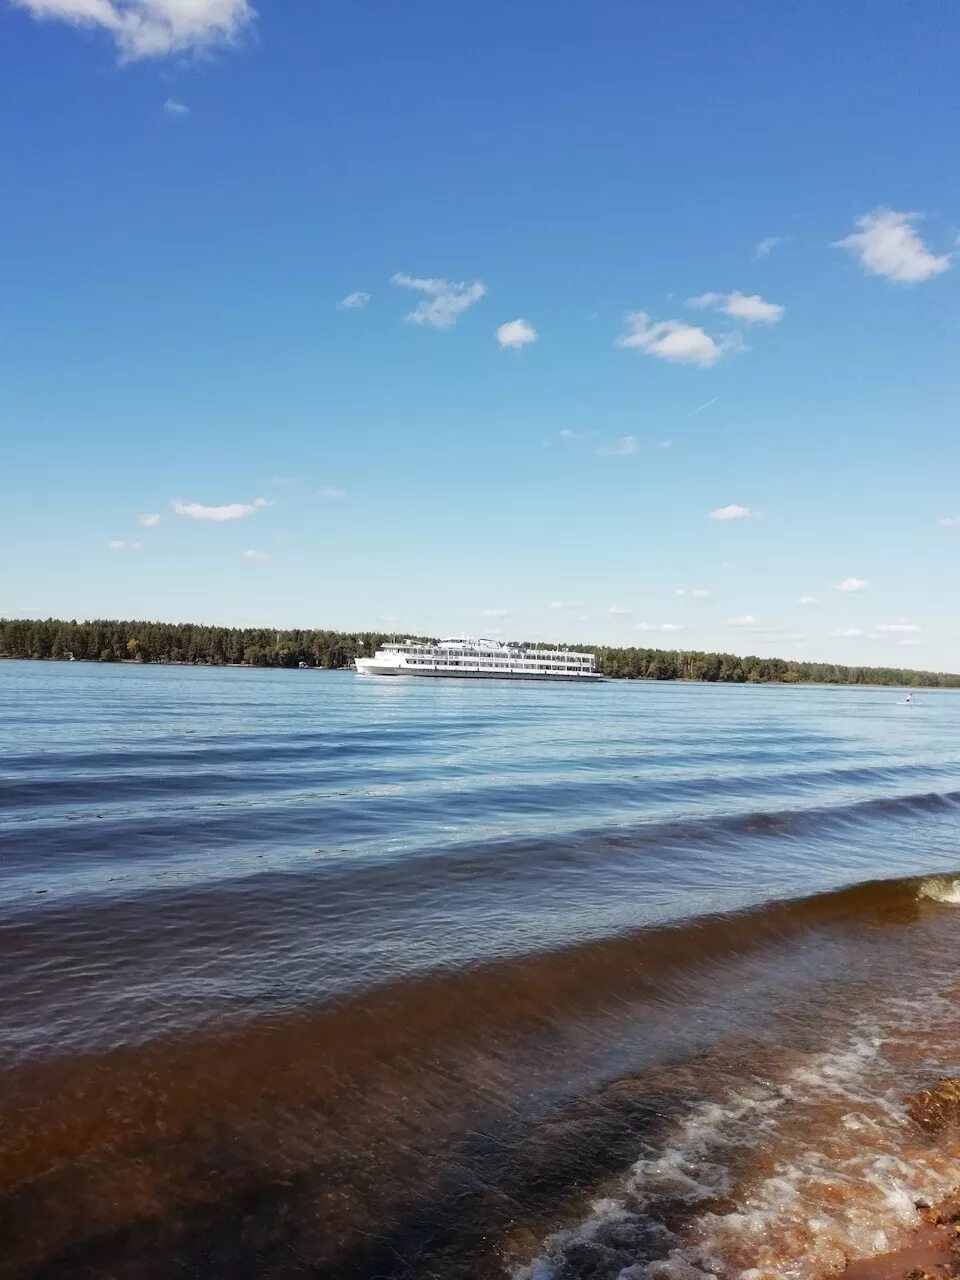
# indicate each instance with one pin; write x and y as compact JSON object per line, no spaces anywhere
{"x":303,"y":974}
{"x":292,"y":835}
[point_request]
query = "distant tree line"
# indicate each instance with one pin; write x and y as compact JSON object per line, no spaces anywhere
{"x":114,"y":641}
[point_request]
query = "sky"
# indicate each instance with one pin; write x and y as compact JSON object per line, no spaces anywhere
{"x":620,"y":323}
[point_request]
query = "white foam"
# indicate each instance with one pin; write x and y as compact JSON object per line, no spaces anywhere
{"x":941,"y":889}
{"x":830,"y":1190}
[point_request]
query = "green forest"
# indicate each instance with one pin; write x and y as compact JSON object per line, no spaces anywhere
{"x":170,"y":642}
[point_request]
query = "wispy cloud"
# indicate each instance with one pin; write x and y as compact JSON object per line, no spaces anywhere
{"x":732,"y":512}
{"x":619,"y":612}
{"x":665,"y":627}
{"x":152,"y":28}
{"x":150,"y":520}
{"x":354,"y":301}
{"x":330,"y":493}
{"x":741,"y":306}
{"x":516,"y":334}
{"x":767,"y":246}
{"x":899,"y":628}
{"x":693,"y":593}
{"x":122,"y":544}
{"x":808,"y":600}
{"x":620,"y":448}
{"x":887,"y":244}
{"x":496,"y":613}
{"x":444,"y":302}
{"x":852,"y":584}
{"x":231,"y":511}
{"x":674,"y":340}
{"x":849,"y":633}
{"x":172,"y":107}
{"x":743,"y":621}
{"x":949,"y":522}
{"x":258,"y":557}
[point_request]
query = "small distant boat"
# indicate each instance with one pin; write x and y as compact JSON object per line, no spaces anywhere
{"x":479,"y":660}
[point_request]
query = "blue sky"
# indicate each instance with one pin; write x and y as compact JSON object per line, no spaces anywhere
{"x":192,"y":188}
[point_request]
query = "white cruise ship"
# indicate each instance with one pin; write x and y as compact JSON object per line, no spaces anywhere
{"x":478,"y":659}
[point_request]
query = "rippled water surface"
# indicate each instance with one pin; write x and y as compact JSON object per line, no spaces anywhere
{"x":306,"y":974}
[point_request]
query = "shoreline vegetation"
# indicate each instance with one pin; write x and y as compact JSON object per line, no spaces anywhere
{"x":193,"y":644}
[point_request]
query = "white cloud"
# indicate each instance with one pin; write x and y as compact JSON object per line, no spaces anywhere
{"x":901,"y":628}
{"x":949,"y":522}
{"x":887,"y":244}
{"x":621,"y":448}
{"x":444,"y":301}
{"x":741,"y":306}
{"x":152,"y":28}
{"x":122,"y":544}
{"x":911,"y":642}
{"x":174,"y":108}
{"x":665,"y":627}
{"x":619,"y":612}
{"x":330,"y":493}
{"x":733,"y":512}
{"x":257,"y":556}
{"x":767,"y":246}
{"x":674,"y":340}
{"x":694,"y":593}
{"x":496,"y":613}
{"x":232,"y":510}
{"x":516,"y":334}
{"x":354,"y":301}
{"x":808,"y":600}
{"x":851,"y":633}
{"x":744,"y":620}
{"x":149,"y":521}
{"x":852,"y":584}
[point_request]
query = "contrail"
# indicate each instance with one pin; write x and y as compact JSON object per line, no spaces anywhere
{"x":705,"y":406}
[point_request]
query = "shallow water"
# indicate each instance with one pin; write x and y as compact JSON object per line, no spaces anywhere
{"x":307,"y":974}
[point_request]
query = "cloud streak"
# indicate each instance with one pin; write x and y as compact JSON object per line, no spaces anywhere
{"x":355,"y":301}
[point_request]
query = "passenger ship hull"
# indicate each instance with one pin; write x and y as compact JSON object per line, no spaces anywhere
{"x":479,"y":660}
{"x":369,"y":667}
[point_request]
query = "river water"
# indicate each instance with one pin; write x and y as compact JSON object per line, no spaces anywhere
{"x":303,"y":974}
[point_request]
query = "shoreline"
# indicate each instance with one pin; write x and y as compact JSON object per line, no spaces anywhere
{"x":736,"y":684}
